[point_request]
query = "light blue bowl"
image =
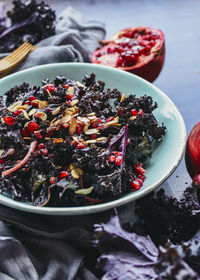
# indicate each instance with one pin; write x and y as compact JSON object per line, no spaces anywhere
{"x":166,"y":156}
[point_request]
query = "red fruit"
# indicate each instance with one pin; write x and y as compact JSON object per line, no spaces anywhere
{"x":9,"y":120}
{"x":18,"y":112}
{"x":39,"y":136}
{"x":140,"y":112}
{"x":27,"y":102}
{"x":31,"y":98}
{"x":32,"y":126}
{"x":133,"y":112}
{"x":62,"y":175}
{"x":52,"y":180}
{"x":110,"y":119}
{"x":66,"y":86}
{"x":93,"y":136}
{"x":34,"y":103}
{"x":118,"y":160}
{"x":80,"y":146}
{"x":140,"y":170}
{"x":45,"y":152}
{"x":79,"y":129}
{"x":112,"y":158}
{"x":143,"y":56}
{"x":95,"y":124}
{"x":192,"y":154}
{"x":25,"y":132}
{"x":139,"y":181}
{"x":70,"y":96}
{"x":1,"y":160}
{"x":41,"y":146}
{"x":135,"y":185}
{"x":50,"y":87}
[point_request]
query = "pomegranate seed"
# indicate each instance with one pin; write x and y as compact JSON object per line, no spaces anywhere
{"x":139,"y":181}
{"x":80,"y":146}
{"x":133,"y":112}
{"x":70,"y":96}
{"x":68,"y":102}
{"x":25,"y":132}
{"x":34,"y":103}
{"x":52,"y":180}
{"x":112,"y":158}
{"x":31,"y":98}
{"x":93,"y":136}
{"x":45,"y":152}
{"x":62,"y":175}
{"x":141,"y":176}
{"x":98,"y":120}
{"x":75,"y":143}
{"x":118,"y":160}
{"x":1,"y":160}
{"x":79,"y":129}
{"x":128,"y":141}
{"x":109,"y":119}
{"x":9,"y":120}
{"x":152,"y":43}
{"x":18,"y":112}
{"x":27,"y":102}
{"x":50,"y":87}
{"x":116,"y":153}
{"x":95,"y":124}
{"x":140,"y":112}
{"x":39,"y":136}
{"x":32,"y":126}
{"x":66,"y":86}
{"x":140,"y":170}
{"x":41,"y":146}
{"x":135,"y":185}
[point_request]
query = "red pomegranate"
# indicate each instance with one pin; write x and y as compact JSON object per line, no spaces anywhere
{"x":139,"y":50}
{"x":192,"y":152}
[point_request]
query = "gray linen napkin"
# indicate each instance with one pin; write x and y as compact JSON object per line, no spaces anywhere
{"x":36,"y":247}
{"x":74,"y":41}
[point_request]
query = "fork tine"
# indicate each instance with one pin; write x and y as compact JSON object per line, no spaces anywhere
{"x":18,"y":53}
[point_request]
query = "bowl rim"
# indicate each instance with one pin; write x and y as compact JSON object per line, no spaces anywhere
{"x":83,"y":210}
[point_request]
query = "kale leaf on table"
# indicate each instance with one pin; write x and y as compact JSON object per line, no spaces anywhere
{"x":127,"y":255}
{"x":29,"y":21}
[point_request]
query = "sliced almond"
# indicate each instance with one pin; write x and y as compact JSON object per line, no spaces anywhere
{"x":75,"y":174}
{"x":27,"y":138}
{"x":1,"y":152}
{"x":92,"y":141}
{"x":32,"y":112}
{"x":66,"y":119}
{"x":132,"y":118}
{"x":56,"y":111}
{"x":23,"y":107}
{"x":41,"y":115}
{"x":72,"y":127}
{"x":71,"y":166}
{"x":57,"y":140}
{"x":13,"y":107}
{"x":85,"y":128}
{"x":25,"y":115}
{"x":91,"y":114}
{"x":37,"y":131}
{"x":91,"y":131}
{"x":80,"y":84}
{"x":113,"y":122}
{"x":123,"y":97}
{"x":84,"y":191}
{"x":74,"y":102}
{"x":92,"y":118}
{"x":83,"y":120}
{"x":70,"y":90}
{"x":41,"y":104}
{"x":79,"y":171}
{"x":101,"y":139}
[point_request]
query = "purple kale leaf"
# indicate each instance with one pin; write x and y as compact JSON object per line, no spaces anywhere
{"x":124,"y":255}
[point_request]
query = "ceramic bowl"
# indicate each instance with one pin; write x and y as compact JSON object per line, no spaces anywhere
{"x":166,"y":156}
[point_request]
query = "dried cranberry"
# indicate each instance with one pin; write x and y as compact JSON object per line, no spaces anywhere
{"x":95,"y":124}
{"x":135,"y":185}
{"x":41,"y":146}
{"x":93,"y":136}
{"x":133,"y":112}
{"x":34,"y":103}
{"x":25,"y":132}
{"x":31,"y":98}
{"x":112,"y":158}
{"x":79,"y":129}
{"x":70,"y":96}
{"x":45,"y":152}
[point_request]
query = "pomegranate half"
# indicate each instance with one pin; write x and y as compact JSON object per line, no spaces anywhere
{"x":192,"y":153}
{"x":139,"y":50}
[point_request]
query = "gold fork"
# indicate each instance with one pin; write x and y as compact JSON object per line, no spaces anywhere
{"x":8,"y":63}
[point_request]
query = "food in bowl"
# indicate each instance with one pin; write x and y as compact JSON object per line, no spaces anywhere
{"x":70,"y":143}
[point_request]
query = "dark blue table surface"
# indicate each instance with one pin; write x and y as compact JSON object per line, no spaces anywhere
{"x":180,"y":77}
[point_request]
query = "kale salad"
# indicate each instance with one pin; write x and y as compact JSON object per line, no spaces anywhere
{"x":70,"y":143}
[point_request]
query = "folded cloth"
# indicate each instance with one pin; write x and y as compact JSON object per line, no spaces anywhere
{"x":35,"y":247}
{"x":74,"y":41}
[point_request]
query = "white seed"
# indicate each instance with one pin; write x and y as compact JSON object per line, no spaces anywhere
{"x":91,"y":131}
